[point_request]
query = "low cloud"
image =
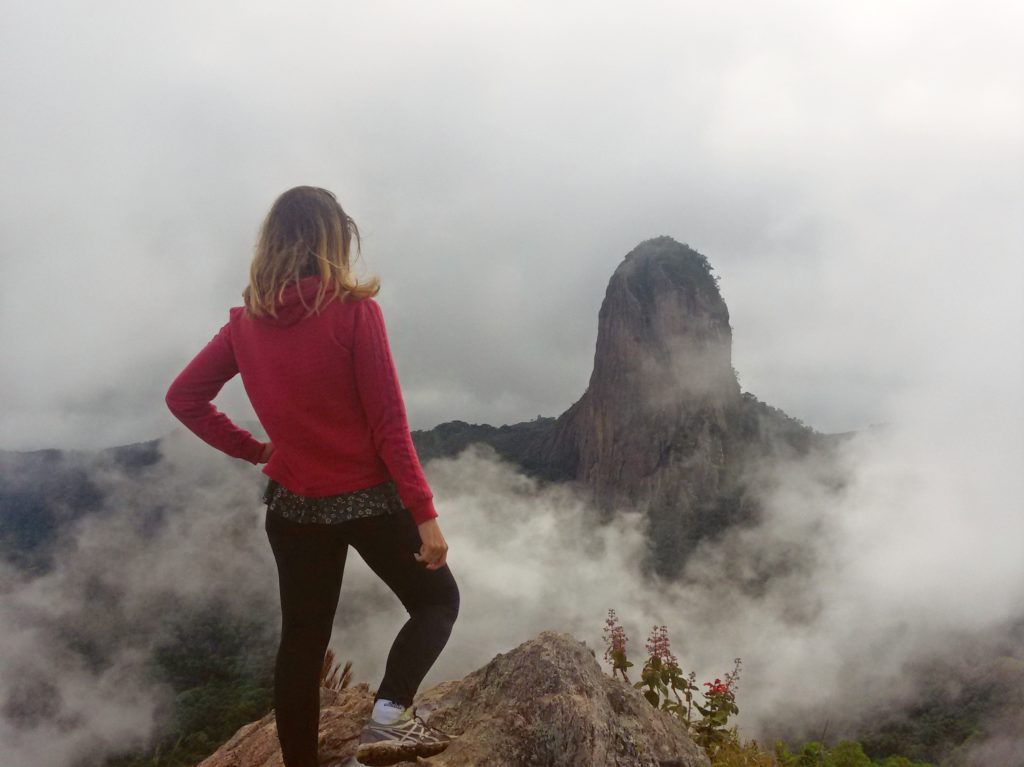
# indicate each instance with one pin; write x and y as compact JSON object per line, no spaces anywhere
{"x":858,"y":569}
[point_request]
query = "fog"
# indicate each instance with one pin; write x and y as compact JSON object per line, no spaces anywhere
{"x":851,"y":172}
{"x":917,"y":556}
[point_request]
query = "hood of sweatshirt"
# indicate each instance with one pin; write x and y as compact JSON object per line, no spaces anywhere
{"x":290,"y":307}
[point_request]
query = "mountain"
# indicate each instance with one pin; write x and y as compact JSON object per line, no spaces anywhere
{"x":660,"y":424}
{"x":546,"y":701}
{"x":42,"y":491}
{"x":663,"y":425}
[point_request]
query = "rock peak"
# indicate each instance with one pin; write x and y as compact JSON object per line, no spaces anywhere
{"x":662,"y":264}
{"x":653,"y":427}
{"x":660,"y":244}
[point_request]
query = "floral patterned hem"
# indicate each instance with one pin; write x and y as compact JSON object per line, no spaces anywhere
{"x":333,"y":509}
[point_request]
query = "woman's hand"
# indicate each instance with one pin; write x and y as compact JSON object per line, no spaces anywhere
{"x":434,"y":551}
{"x":268,"y":450}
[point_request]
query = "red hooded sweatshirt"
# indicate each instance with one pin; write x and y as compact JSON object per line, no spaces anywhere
{"x":325,"y":389}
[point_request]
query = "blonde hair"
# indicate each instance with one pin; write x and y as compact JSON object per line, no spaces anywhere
{"x":305,"y":233}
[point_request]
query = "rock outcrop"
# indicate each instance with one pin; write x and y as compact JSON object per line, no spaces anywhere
{"x":663,"y":426}
{"x":545,"y":702}
{"x":656,"y":428}
{"x":662,"y":388}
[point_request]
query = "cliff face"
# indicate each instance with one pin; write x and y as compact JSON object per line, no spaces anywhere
{"x":546,"y":701}
{"x":663,"y":426}
{"x":656,"y":426}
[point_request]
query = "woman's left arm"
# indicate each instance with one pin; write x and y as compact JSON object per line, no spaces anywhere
{"x":190,"y":398}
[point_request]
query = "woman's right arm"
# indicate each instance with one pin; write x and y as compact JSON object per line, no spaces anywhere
{"x":381,"y":395}
{"x":434,"y":552}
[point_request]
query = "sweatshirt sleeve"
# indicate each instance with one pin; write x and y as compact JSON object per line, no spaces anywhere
{"x":190,"y":399}
{"x":381,"y":394}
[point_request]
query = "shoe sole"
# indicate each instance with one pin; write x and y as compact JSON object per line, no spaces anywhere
{"x":385,"y":753}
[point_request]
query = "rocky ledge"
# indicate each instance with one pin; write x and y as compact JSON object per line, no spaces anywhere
{"x":545,"y":702}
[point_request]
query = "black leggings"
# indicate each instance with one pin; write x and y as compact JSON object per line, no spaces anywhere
{"x":310,"y":564}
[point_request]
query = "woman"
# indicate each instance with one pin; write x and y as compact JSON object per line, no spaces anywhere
{"x":312,"y":349}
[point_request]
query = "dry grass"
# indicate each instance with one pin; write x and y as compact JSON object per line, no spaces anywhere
{"x":330,"y":677}
{"x":732,"y":754}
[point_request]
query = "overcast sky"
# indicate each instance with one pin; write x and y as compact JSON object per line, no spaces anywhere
{"x":851,"y":170}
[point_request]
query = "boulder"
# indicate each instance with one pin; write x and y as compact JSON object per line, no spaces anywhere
{"x":546,"y":702}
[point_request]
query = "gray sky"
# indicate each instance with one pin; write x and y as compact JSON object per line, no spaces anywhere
{"x":852,"y":171}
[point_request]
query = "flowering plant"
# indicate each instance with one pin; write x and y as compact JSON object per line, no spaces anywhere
{"x":661,"y":680}
{"x":615,"y":638}
{"x":719,"y":704}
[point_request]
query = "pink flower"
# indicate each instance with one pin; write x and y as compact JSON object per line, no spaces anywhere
{"x":615,"y":636}
{"x":658,"y":646}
